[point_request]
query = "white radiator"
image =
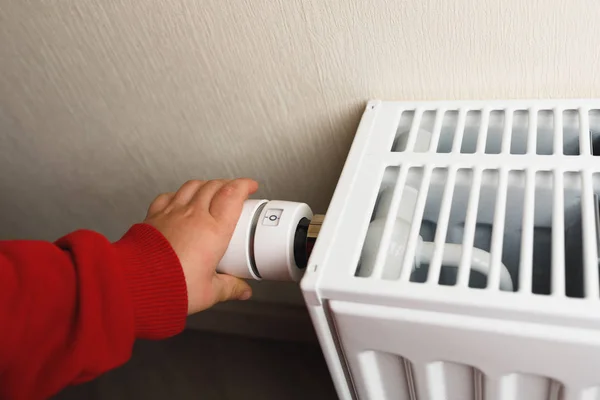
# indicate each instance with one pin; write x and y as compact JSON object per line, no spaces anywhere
{"x":458,"y":258}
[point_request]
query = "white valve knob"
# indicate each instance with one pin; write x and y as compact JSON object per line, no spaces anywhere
{"x":265,"y":241}
{"x":239,"y":257}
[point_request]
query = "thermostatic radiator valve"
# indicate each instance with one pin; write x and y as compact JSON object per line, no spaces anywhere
{"x":271,"y":241}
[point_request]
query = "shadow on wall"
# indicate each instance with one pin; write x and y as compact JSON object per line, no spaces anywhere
{"x":196,"y":365}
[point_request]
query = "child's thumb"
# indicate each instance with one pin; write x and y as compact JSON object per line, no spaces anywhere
{"x":229,"y":287}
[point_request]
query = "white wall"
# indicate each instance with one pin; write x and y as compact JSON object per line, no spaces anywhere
{"x":103,"y":104}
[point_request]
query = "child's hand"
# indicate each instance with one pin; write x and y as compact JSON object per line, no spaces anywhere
{"x":198,"y":221}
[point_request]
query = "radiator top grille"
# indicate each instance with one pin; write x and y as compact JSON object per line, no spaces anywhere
{"x":493,"y":198}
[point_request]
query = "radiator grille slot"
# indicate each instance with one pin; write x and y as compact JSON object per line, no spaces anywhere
{"x":493,"y":131}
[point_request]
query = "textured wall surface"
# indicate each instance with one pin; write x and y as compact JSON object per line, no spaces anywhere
{"x":103,"y":104}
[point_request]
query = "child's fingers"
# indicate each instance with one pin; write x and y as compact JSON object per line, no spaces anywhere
{"x":160,"y":203}
{"x":187,"y":191}
{"x":203,"y":197}
{"x":227,"y":203}
{"x":228,"y":287}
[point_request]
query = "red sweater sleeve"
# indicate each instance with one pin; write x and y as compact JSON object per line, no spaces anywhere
{"x":71,"y":310}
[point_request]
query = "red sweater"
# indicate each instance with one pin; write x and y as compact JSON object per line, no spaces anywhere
{"x":71,"y":310}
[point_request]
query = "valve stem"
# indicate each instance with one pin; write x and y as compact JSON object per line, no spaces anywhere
{"x":313,"y":231}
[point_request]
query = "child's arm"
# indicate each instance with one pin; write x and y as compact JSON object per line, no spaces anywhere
{"x":71,"y":310}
